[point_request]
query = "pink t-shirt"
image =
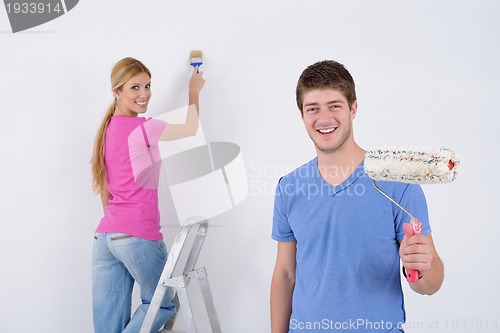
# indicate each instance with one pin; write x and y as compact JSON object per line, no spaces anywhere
{"x":133,"y":162}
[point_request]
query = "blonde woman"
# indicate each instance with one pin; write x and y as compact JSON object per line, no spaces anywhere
{"x":128,"y":244}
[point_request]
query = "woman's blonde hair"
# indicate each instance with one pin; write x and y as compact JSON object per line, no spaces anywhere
{"x":123,"y":71}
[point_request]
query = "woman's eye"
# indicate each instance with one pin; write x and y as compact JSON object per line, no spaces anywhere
{"x":135,"y":87}
{"x":148,"y":86}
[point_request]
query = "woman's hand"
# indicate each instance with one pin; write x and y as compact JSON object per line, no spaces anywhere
{"x":196,"y":82}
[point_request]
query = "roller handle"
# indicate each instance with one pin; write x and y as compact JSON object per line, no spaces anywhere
{"x":411,"y":229}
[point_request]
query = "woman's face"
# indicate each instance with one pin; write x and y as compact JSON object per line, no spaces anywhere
{"x":134,"y":96}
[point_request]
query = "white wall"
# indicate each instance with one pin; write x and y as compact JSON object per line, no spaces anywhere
{"x":427,"y":73}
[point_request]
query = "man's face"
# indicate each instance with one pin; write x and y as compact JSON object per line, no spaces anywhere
{"x":327,"y":118}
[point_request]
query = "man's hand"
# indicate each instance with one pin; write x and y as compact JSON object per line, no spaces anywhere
{"x":419,"y":253}
{"x":416,"y":253}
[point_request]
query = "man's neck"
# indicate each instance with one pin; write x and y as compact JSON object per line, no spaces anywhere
{"x":335,"y":167}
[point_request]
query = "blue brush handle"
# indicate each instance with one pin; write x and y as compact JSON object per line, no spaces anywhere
{"x":197,"y":64}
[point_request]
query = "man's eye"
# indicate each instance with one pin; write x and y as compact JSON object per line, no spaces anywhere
{"x":312,"y":109}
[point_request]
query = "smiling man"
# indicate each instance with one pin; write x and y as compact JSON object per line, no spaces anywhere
{"x":340,"y":242}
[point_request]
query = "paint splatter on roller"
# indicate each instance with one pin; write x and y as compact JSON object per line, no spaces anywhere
{"x":426,"y":165}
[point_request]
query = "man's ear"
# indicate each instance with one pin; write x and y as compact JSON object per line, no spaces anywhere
{"x":354,"y":109}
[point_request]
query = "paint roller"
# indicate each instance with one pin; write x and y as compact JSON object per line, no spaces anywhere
{"x":426,"y":165}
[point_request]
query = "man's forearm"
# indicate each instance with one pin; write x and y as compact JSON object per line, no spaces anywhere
{"x":281,"y":303}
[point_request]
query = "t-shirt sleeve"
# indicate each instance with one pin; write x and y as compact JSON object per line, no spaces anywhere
{"x":413,"y":199}
{"x":154,"y":128}
{"x":282,"y":232}
{"x":145,"y":156}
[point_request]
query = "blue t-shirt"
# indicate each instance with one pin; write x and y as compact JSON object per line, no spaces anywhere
{"x":347,"y":261}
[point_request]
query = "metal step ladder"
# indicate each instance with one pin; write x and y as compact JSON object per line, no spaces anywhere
{"x":181,"y":282}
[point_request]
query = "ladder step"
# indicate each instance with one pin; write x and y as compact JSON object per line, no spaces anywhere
{"x":180,"y":284}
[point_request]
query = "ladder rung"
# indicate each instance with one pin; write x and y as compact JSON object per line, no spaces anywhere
{"x":180,"y":283}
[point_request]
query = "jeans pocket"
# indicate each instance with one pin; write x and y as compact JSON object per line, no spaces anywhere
{"x":114,"y":238}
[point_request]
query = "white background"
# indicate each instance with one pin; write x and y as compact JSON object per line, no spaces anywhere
{"x":427,"y":73}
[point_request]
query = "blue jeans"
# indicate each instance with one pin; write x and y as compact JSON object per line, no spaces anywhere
{"x":117,"y":261}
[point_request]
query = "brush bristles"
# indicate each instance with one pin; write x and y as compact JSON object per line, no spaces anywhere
{"x":198,"y":54}
{"x":427,"y":165}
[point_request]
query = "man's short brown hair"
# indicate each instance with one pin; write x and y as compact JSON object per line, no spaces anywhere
{"x":326,"y":74}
